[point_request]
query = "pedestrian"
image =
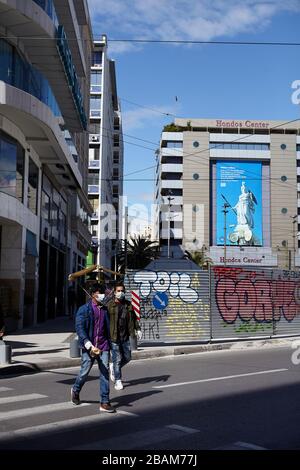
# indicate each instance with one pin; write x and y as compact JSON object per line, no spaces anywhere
{"x":71,"y":301}
{"x":92,"y":328}
{"x":123,"y":324}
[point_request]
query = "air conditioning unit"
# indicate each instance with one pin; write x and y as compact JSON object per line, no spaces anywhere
{"x":95,"y":138}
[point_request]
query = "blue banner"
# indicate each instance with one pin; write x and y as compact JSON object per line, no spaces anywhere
{"x":239,"y":192}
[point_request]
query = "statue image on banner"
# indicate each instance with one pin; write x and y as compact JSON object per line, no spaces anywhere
{"x":243,"y":233}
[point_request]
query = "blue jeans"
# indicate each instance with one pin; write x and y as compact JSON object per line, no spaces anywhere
{"x":121,"y":355}
{"x":86,"y":365}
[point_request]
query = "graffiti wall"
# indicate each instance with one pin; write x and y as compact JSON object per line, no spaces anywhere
{"x":174,"y":306}
{"x":254,"y":302}
{"x":226,"y":303}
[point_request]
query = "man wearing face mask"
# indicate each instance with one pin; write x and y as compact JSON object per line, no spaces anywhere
{"x":123,"y":324}
{"x":92,"y":328}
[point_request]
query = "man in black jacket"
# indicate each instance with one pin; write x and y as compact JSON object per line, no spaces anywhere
{"x":92,"y":328}
{"x":123,"y":324}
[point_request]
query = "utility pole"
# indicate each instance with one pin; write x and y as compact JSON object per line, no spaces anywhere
{"x":125,"y":236}
{"x":169,"y":221}
{"x":225,"y":211}
{"x":295,"y":217}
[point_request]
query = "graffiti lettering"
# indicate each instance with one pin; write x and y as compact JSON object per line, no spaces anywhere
{"x":150,"y":331}
{"x":262,"y":300}
{"x":177,"y":284}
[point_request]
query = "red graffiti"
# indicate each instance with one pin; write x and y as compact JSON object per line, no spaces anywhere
{"x":262,"y":300}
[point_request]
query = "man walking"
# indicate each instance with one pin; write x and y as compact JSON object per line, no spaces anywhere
{"x":92,"y":328}
{"x":123,"y":324}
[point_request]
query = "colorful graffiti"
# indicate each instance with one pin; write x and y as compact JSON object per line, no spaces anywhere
{"x":252,"y":295}
{"x":174,"y":306}
{"x":177,"y":284}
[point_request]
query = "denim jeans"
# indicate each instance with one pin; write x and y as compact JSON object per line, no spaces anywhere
{"x":86,"y":365}
{"x":121,"y":355}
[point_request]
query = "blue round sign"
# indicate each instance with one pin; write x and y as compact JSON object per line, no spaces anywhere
{"x":160,"y":300}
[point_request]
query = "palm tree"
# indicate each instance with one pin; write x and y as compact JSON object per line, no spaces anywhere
{"x":199,"y":257}
{"x":140,"y":252}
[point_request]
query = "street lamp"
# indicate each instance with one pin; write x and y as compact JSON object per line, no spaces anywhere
{"x":169,"y":220}
{"x":225,"y":211}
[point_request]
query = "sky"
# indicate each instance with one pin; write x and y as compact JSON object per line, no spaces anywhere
{"x":209,"y":81}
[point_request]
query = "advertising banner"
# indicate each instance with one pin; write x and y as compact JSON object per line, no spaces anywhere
{"x":239,"y":187}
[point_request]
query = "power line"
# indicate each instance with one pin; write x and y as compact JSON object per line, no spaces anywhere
{"x":187,"y":41}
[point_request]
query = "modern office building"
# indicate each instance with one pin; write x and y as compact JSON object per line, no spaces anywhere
{"x":230,"y":188}
{"x":105,"y":156}
{"x":45,"y":51}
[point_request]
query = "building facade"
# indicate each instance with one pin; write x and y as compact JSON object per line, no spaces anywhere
{"x":105,"y":156}
{"x":230,"y":188}
{"x":45,"y":51}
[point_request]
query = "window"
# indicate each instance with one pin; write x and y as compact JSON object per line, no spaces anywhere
{"x":33,"y":184}
{"x":116,"y":157}
{"x":116,"y":140}
{"x":45,"y":207}
{"x":115,"y":191}
{"x":174,"y":145}
{"x":95,"y":106}
{"x":93,"y":178}
{"x":115,"y":174}
{"x":11,"y":167}
{"x":238,"y":146}
{"x":298,"y":147}
{"x":96,"y":59}
{"x":96,"y":81}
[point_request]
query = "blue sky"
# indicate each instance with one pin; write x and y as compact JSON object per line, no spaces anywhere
{"x":210,"y":81}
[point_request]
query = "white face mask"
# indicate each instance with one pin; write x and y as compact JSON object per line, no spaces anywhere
{"x":100,"y":297}
{"x":120,"y":295}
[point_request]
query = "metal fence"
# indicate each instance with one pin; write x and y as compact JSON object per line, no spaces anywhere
{"x":223,"y":303}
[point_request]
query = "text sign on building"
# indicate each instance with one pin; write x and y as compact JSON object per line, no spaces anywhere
{"x":248,"y":124}
{"x":239,"y":190}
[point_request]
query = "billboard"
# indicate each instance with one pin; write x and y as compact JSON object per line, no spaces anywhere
{"x":239,"y":188}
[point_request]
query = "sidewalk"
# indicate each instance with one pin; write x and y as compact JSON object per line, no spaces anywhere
{"x":47,"y":345}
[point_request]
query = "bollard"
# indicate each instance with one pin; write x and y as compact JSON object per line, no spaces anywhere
{"x":74,"y":347}
{"x":133,"y":343}
{"x":5,"y":353}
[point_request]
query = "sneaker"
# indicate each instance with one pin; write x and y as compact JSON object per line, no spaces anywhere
{"x":107,"y":407}
{"x":111,"y":370}
{"x":119,"y":385}
{"x":75,"y":397}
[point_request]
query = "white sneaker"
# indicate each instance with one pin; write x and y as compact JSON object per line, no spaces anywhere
{"x":119,"y":385}
{"x":111,"y":370}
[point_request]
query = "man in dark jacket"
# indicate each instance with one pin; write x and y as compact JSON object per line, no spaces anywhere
{"x":92,"y":328}
{"x":123,"y":324}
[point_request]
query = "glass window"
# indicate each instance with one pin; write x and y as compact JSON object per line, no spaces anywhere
{"x":96,"y":81}
{"x":33,"y":183}
{"x":116,"y":157}
{"x":11,"y":167}
{"x":174,"y":145}
{"x":45,"y":206}
{"x":96,"y":59}
{"x":95,"y":106}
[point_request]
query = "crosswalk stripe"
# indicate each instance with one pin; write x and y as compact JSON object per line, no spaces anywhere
{"x":183,"y":428}
{"x":5,"y":389}
{"x":60,"y":426}
{"x":135,"y":440}
{"x":5,"y":415}
{"x":18,"y":398}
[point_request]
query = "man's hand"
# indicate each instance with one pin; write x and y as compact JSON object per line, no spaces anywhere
{"x":139,"y":335}
{"x":94,"y":351}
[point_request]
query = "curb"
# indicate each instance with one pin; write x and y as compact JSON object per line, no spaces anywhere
{"x":16,"y":369}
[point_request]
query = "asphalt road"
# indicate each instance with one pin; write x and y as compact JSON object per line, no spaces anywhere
{"x":230,"y":400}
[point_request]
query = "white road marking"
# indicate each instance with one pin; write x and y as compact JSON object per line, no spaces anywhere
{"x":228,"y":377}
{"x":60,"y":426}
{"x":5,"y":415}
{"x":183,"y":429}
{"x":5,"y":389}
{"x":18,"y":398}
{"x":247,"y":445}
{"x":134,"y":440}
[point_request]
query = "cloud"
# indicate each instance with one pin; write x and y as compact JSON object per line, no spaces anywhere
{"x":200,"y":20}
{"x":139,"y":118}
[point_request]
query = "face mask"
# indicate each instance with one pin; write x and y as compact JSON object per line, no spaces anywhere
{"x":100,"y":297}
{"x":120,"y":295}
